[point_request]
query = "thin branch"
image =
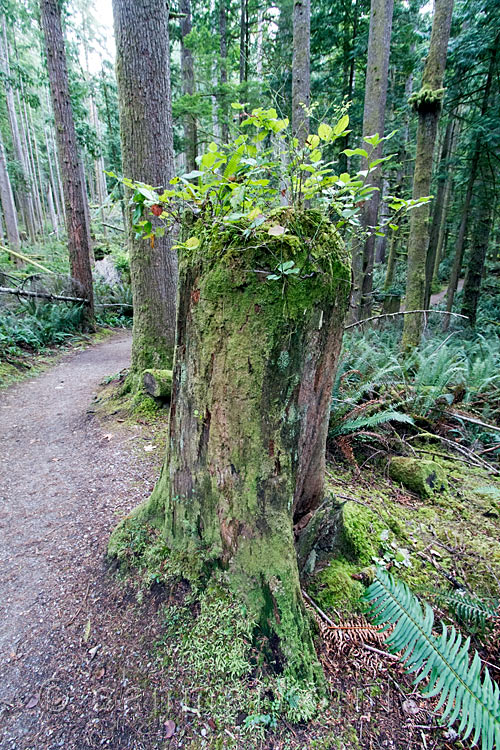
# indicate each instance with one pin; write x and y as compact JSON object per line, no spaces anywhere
{"x":44,"y":295}
{"x":404,"y":312}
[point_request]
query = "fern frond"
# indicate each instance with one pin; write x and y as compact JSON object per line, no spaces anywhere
{"x":468,"y":608}
{"x":443,"y":659}
{"x":382,"y":417}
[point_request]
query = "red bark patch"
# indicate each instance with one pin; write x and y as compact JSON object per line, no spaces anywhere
{"x":195,"y":296}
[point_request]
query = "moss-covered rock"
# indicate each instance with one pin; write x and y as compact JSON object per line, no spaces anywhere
{"x":158,"y":383}
{"x":426,"y":478}
{"x":333,"y":587}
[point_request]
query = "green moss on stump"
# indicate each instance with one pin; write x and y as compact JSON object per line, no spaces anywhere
{"x":426,"y":478}
{"x":333,"y":587}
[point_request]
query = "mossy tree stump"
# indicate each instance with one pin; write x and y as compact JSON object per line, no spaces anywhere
{"x":253,"y":372}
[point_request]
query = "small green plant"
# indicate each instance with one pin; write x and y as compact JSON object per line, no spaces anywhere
{"x":444,"y":660}
{"x":262,"y":169}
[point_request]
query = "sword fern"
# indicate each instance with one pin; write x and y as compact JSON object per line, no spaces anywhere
{"x":443,"y":659}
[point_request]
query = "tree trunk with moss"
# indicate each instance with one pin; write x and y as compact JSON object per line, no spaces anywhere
{"x":8,"y":207}
{"x":379,"y":43}
{"x":75,"y":196}
{"x":188,"y":87}
{"x":427,"y":103}
{"x":472,"y":286}
{"x":301,"y":77}
{"x":143,"y":77}
{"x":255,"y":361}
{"x":439,"y":205}
{"x":474,"y":165}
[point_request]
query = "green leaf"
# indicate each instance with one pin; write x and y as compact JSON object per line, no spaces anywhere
{"x":325,"y":131}
{"x":315,"y":155}
{"x":341,"y":125}
{"x":237,"y":105}
{"x":355,"y":152}
{"x":208,"y":159}
{"x":192,"y":243}
{"x":212,"y":146}
{"x":373,"y":140}
{"x":313,"y":140}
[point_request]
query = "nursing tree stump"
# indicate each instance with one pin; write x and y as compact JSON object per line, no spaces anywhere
{"x":253,"y":372}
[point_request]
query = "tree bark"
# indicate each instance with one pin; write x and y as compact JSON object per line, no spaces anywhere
{"x":301,"y":63}
{"x":438,"y":209}
{"x":224,"y":126}
{"x":8,"y":206}
{"x":472,"y":286}
{"x":143,"y":77}
{"x":71,"y":169}
{"x":252,"y":381}
{"x":427,"y":103}
{"x":379,"y":43}
{"x":462,"y":231}
{"x":25,"y":198}
{"x":188,"y":86}
{"x":243,"y":49}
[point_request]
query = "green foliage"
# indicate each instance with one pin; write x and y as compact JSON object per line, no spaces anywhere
{"x":443,"y":660}
{"x":34,"y":326}
{"x":263,"y":169}
{"x":468,"y":608}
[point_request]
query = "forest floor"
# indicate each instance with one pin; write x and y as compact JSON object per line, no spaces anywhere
{"x":80,"y":653}
{"x":70,"y":636}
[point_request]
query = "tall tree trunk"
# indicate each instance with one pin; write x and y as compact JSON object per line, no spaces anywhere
{"x":301,"y":64}
{"x":71,"y":168}
{"x":477,"y":257}
{"x":243,"y":49}
{"x":351,"y":20}
{"x":25,"y":197}
{"x":53,"y":182}
{"x":143,"y":77}
{"x":250,"y":402}
{"x":8,"y":207}
{"x":188,"y":86}
{"x":427,"y":103}
{"x":377,"y":68}
{"x":462,"y":230}
{"x":438,"y":209}
{"x":223,"y":108}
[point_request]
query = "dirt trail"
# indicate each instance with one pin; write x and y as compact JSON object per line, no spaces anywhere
{"x":437,"y":298}
{"x":63,"y":483}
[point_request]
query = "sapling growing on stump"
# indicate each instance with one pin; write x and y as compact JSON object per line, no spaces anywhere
{"x":263,"y":293}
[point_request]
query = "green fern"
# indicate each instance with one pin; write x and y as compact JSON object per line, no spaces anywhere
{"x":349,"y":426}
{"x":443,"y":659}
{"x":467,"y":608}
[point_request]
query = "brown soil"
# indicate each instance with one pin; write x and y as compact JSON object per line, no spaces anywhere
{"x":73,"y":642}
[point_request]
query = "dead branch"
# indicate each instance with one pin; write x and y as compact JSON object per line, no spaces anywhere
{"x":403,"y":312}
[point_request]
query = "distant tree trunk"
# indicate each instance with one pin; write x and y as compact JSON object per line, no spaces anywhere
{"x":301,"y":74}
{"x":53,"y":181}
{"x":477,"y":257}
{"x":350,"y":21}
{"x":224,"y":127}
{"x":427,"y":103}
{"x":8,"y":207}
{"x":248,"y":424}
{"x":243,"y":49}
{"x":74,"y":194}
{"x":379,"y":43}
{"x":462,"y":230}
{"x":438,"y":210}
{"x":188,"y":87}
{"x":25,"y":197}
{"x":143,"y":77}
